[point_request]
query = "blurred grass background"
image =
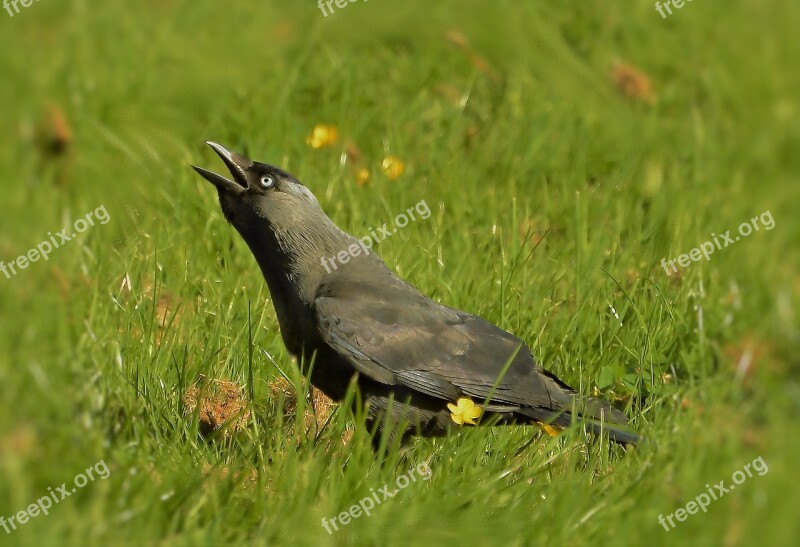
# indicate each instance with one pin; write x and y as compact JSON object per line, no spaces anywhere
{"x":564,"y":150}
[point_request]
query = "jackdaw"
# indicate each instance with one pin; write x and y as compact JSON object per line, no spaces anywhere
{"x":416,"y":362}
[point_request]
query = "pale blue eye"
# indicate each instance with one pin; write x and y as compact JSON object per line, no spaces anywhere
{"x":267,"y":181}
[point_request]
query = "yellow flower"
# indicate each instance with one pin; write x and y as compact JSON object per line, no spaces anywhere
{"x":322,"y":136}
{"x":362,"y":176}
{"x":393,"y":167}
{"x":464,"y":411}
{"x":549,"y":429}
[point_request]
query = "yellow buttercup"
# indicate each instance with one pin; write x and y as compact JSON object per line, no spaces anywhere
{"x":464,"y":411}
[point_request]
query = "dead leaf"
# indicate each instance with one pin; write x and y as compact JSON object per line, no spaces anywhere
{"x":218,"y":403}
{"x":632,"y":83}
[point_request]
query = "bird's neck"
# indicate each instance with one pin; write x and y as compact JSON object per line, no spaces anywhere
{"x":294,"y":261}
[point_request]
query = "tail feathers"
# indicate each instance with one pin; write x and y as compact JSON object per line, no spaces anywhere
{"x":603,"y":411}
{"x":616,"y":432}
{"x":596,"y":416}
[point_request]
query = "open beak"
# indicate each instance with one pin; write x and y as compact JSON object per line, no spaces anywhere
{"x":237,"y":165}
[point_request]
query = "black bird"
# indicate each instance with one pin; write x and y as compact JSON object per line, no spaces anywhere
{"x":411,"y":356}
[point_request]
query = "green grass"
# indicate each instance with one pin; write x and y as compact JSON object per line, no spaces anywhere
{"x":542,"y":143}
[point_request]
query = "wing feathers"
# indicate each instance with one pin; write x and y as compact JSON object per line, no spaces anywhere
{"x":396,"y":336}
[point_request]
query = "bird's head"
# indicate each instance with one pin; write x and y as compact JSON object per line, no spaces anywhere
{"x":259,"y":194}
{"x":279,"y":218}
